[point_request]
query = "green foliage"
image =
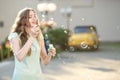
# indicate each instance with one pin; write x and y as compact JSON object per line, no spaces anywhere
{"x":58,"y":37}
{"x":4,"y":50}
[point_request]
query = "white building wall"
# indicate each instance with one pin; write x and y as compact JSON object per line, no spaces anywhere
{"x":104,"y":14}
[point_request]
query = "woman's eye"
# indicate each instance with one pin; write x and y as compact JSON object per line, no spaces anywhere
{"x":34,"y":16}
{"x":30,"y":17}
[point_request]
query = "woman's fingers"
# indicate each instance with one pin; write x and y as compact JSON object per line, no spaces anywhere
{"x":52,"y":51}
{"x":34,"y":31}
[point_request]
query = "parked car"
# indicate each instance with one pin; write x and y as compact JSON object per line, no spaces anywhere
{"x":84,"y":37}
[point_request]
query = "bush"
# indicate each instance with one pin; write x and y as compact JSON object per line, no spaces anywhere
{"x":58,"y":37}
{"x":5,"y":50}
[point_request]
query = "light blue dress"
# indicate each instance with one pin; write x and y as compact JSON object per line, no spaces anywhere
{"x":29,"y":68}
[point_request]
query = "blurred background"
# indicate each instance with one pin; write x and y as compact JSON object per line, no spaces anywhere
{"x":104,"y":14}
{"x":60,"y":19}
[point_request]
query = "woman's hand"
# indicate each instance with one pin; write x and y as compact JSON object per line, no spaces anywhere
{"x":52,"y":52}
{"x":34,"y":31}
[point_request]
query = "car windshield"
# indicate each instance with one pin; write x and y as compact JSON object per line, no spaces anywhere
{"x":82,"y":29}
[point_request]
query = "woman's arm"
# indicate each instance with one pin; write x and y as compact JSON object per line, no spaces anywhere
{"x":20,"y":53}
{"x":45,"y":58}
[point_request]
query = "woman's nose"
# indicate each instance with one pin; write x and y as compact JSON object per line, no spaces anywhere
{"x":33,"y":18}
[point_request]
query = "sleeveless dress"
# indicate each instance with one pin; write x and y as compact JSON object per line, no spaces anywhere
{"x":29,"y":68}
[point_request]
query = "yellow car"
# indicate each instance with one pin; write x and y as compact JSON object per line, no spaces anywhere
{"x":84,"y":37}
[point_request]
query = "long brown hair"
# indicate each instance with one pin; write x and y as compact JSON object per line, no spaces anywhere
{"x":21,"y":22}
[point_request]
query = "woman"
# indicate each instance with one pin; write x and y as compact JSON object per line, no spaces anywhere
{"x":28,"y":47}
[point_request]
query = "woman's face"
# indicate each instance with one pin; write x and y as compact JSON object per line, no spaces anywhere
{"x":32,"y":18}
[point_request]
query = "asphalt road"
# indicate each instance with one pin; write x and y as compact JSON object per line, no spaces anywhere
{"x":103,"y":64}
